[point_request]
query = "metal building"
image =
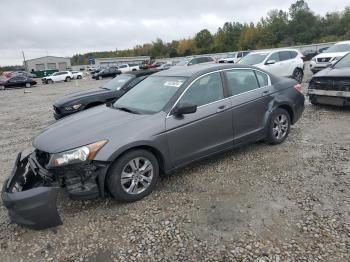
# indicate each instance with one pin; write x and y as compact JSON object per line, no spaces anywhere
{"x":47,"y":63}
{"x":114,"y":61}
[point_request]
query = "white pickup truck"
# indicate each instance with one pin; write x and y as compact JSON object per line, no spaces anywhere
{"x":127,"y":68}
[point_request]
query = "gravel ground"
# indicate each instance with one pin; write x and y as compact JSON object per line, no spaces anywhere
{"x":260,"y":203}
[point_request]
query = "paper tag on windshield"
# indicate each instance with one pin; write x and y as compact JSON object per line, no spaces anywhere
{"x":176,"y":83}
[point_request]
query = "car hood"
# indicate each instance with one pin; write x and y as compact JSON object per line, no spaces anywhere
{"x":336,"y":54}
{"x":89,"y":126}
{"x":70,"y":98}
{"x":334,"y":72}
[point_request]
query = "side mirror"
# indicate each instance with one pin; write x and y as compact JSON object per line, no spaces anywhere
{"x":270,"y":62}
{"x":183,"y":109}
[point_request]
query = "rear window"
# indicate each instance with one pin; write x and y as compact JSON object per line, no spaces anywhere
{"x":263,"y":79}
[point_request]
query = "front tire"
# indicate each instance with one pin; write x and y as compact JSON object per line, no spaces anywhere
{"x":49,"y":81}
{"x":133,"y":176}
{"x":28,"y":85}
{"x":100,"y":78}
{"x":278,"y":127}
{"x":68,"y":79}
{"x":79,"y":77}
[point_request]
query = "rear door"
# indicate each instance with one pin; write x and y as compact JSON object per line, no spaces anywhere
{"x":287,"y":65}
{"x":206,"y":131}
{"x":251,"y":95}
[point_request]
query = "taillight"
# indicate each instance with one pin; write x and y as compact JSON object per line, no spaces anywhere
{"x":298,"y":87}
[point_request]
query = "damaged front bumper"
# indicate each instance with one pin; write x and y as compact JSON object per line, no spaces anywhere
{"x":30,"y":193}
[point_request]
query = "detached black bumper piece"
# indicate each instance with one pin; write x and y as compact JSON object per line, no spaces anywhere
{"x":28,"y":200}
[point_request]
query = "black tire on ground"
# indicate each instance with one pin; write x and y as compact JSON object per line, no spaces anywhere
{"x":114,"y":183}
{"x":28,"y":85}
{"x":278,"y":127}
{"x":68,"y":79}
{"x":99,"y":78}
{"x":312,"y":99}
{"x":49,"y":81}
{"x":2,"y":87}
{"x":79,"y":77}
{"x":298,"y":75}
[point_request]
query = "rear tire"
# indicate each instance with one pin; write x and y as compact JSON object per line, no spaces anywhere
{"x":278,"y":126}
{"x":79,"y":77}
{"x":298,"y":75}
{"x":312,"y":100}
{"x":133,"y":176}
{"x":68,"y":79}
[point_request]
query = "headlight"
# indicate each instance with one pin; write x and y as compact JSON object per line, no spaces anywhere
{"x":77,"y":155}
{"x":73,"y":107}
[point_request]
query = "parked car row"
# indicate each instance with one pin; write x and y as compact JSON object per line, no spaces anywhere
{"x":330,"y":55}
{"x":17,"y":81}
{"x":234,"y":57}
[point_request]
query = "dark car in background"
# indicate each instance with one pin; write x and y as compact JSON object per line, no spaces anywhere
{"x":108,"y":72}
{"x":168,"y":120}
{"x":190,"y":61}
{"x":331,"y":86}
{"x":16,"y":81}
{"x":112,"y":90}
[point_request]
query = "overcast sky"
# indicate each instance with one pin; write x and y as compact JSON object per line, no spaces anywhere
{"x":67,"y":27}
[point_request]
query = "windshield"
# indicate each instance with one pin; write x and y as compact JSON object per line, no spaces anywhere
{"x":55,"y":74}
{"x":338,"y":48}
{"x":344,"y":62}
{"x":118,"y":82}
{"x":233,"y":55}
{"x":183,"y":62}
{"x":151,"y":95}
{"x":253,"y":58}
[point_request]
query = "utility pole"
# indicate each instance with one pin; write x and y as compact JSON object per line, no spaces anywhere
{"x":24,"y":61}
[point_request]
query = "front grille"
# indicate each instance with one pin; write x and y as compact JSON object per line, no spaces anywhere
{"x":324,"y":59}
{"x":42,"y":157}
{"x":333,"y":84}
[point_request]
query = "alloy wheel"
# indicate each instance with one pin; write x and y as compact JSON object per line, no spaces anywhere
{"x":280,"y":126}
{"x":137,"y":175}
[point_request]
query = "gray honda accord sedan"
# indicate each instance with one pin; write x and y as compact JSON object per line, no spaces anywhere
{"x":170,"y":119}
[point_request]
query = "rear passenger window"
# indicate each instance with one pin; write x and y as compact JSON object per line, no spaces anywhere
{"x":284,"y":55}
{"x":241,"y":81}
{"x":293,"y":54}
{"x":263,"y":79}
{"x":205,"y":90}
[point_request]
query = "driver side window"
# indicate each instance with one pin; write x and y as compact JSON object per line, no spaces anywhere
{"x":205,"y":90}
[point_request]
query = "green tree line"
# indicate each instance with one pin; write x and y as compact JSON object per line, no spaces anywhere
{"x":298,"y":25}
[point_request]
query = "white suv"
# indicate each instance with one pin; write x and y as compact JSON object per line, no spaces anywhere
{"x":234,"y":57}
{"x":330,"y":55}
{"x":57,"y":77}
{"x":281,"y":62}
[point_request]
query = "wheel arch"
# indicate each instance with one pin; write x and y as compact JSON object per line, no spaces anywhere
{"x":156,"y":152}
{"x":289,"y":109}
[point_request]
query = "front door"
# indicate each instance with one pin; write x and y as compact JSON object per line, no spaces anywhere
{"x":206,"y":131}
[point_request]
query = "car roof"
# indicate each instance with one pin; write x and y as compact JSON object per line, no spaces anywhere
{"x":188,"y":71}
{"x":142,"y":72}
{"x":342,"y":42}
{"x":273,"y":50}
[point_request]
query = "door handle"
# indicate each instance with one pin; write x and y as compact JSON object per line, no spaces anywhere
{"x":220,"y":109}
{"x":265,"y":93}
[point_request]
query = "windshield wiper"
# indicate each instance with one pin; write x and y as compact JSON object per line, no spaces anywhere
{"x":127,"y":110}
